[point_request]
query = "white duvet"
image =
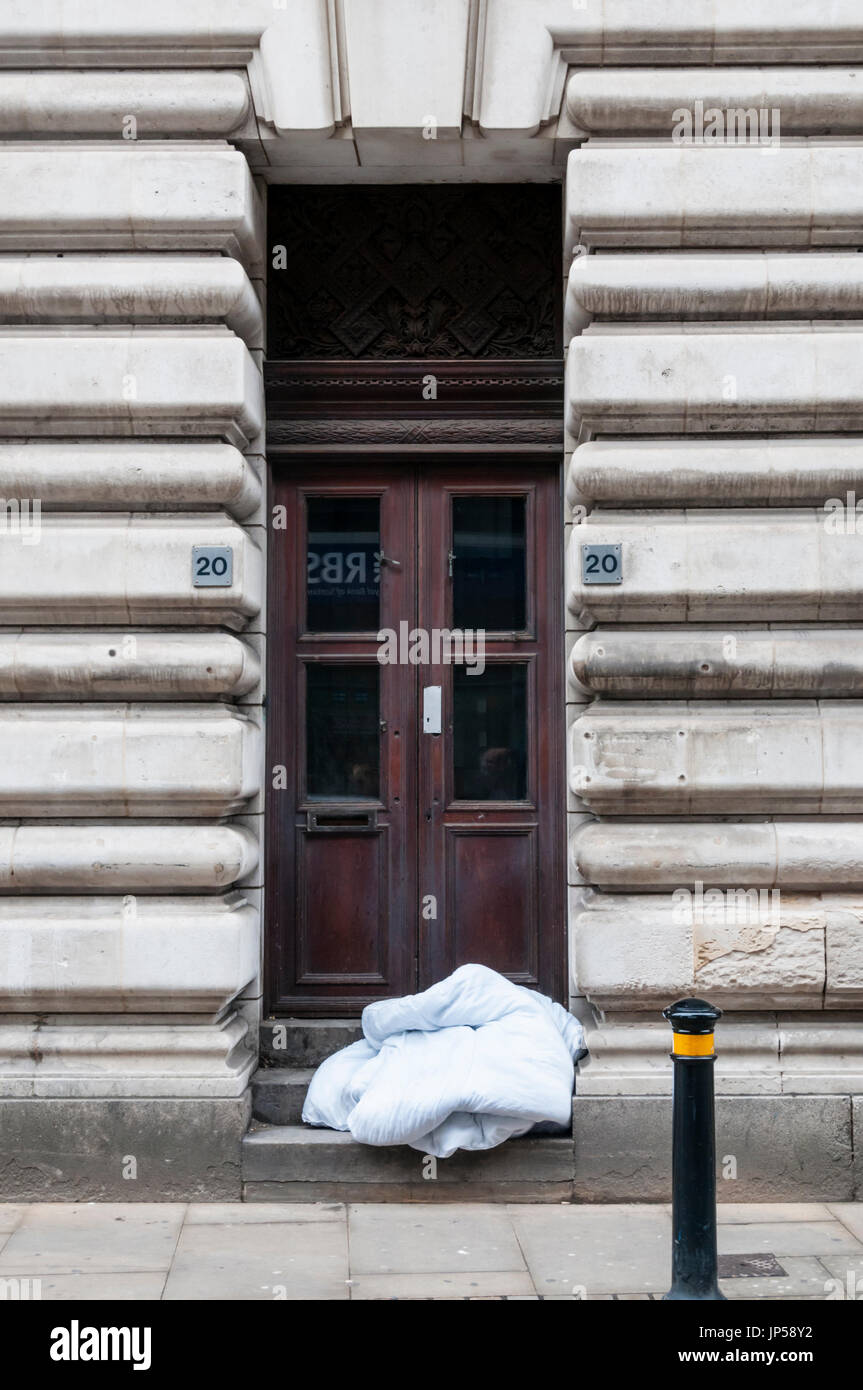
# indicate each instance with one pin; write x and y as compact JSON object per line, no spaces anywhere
{"x":465,"y":1065}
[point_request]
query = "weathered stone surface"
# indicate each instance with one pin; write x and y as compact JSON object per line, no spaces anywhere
{"x":738,"y":378}
{"x":857,"y":1128}
{"x":821,"y":1054}
{"x":746,"y":950}
{"x":706,"y":663}
{"x":716,"y":472}
{"x":78,"y":1150}
{"x":130,"y":381}
{"x":57,"y":104}
{"x":295,"y":1153}
{"x":756,"y":1054}
{"x":844,"y":943}
{"x":117,"y":475}
{"x":812,"y":100}
{"x":629,"y":1056}
{"x":126,"y":760}
{"x":126,"y":568}
{"x":306,"y":1042}
{"x":757,"y":285}
{"x":123,"y":858}
{"x":114,"y":665}
{"x":641,"y":758}
{"x":709,"y":567}
{"x":805,"y":195}
{"x":792,"y":854}
{"x":786,"y":1148}
{"x":119,"y":289}
{"x":125,"y":955}
{"x":71,"y":1059}
{"x":129,"y":196}
{"x":278,"y":1094}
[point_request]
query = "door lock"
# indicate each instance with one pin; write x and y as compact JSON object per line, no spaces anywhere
{"x":388,"y":560}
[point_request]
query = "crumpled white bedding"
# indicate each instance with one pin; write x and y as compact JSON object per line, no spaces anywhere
{"x":466,"y":1064}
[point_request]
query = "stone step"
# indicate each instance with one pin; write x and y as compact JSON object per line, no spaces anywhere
{"x":295,"y":1163}
{"x":278,"y":1094}
{"x":305,"y":1042}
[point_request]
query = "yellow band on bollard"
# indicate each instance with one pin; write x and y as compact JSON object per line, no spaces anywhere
{"x":693,"y":1044}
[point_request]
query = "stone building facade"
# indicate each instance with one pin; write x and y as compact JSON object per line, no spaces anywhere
{"x":711,"y":165}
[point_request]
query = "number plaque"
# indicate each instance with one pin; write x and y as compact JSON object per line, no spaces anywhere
{"x":212,"y":566}
{"x":601,"y":564}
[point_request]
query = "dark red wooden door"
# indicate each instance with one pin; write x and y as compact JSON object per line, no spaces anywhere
{"x":415,"y":731}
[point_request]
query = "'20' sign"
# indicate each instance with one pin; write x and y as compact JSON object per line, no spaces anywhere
{"x":601,"y":564}
{"x":212,"y":566}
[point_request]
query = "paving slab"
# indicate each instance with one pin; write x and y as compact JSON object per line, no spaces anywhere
{"x":85,"y":1288}
{"x":113,"y":1237}
{"x":749,"y":1213}
{"x":244,"y":1214}
{"x":595,"y":1249}
{"x":846,"y":1272}
{"x":387,"y":1239}
{"x":264,"y":1261}
{"x":851,"y":1216}
{"x":784,"y":1238}
{"x":10,"y":1216}
{"x":442,"y":1284}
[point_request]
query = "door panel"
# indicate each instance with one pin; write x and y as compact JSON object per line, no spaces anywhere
{"x":341,"y":859}
{"x":491,"y":786}
{"x":396,"y":854}
{"x":491,"y":899}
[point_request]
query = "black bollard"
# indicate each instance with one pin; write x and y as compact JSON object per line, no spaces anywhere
{"x":693,"y":1163}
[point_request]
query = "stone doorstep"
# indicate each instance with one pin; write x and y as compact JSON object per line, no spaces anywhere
{"x":307,"y":1041}
{"x":278,"y":1094}
{"x":284,"y":1160}
{"x":297,"y":1163}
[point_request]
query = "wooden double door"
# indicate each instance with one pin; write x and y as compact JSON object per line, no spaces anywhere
{"x":415,"y":730}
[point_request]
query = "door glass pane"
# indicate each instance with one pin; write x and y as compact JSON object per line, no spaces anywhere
{"x":490,"y":733}
{"x":488,"y":568}
{"x":343,"y":573}
{"x":342,"y":732}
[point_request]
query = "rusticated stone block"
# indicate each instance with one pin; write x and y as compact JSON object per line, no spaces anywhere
{"x":125,"y":955}
{"x":781,"y":1148}
{"x":129,"y":196}
{"x":703,"y":758}
{"x":118,"y":568}
{"x":80,"y":1150}
{"x":804,"y":195}
{"x":127,"y":760}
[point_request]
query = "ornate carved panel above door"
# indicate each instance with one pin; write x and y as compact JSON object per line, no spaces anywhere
{"x":432,"y":271}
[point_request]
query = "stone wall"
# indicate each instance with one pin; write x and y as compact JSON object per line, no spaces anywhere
{"x":714,"y":403}
{"x":131,"y":403}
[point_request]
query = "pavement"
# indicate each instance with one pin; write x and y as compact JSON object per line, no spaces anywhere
{"x":276,"y":1251}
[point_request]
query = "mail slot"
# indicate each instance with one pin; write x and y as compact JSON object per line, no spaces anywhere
{"x":335,"y":821}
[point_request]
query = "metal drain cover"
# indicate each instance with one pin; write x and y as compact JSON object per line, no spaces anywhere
{"x":760,"y":1266}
